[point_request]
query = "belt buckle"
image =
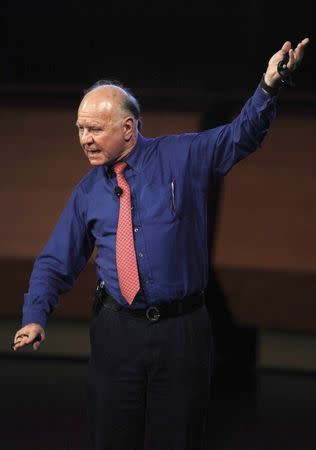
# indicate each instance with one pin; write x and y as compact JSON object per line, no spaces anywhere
{"x":153,"y":314}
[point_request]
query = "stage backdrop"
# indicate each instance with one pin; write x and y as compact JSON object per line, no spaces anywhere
{"x":265,"y":243}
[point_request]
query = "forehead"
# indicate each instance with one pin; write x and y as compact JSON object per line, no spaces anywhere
{"x":95,"y":104}
{"x":90,"y":116}
{"x":97,"y":107}
{"x":85,"y":117}
{"x":94,"y":108}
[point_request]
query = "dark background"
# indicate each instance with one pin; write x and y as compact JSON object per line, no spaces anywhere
{"x":209,"y":45}
{"x":174,"y":57}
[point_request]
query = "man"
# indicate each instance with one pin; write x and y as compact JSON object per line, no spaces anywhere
{"x":143,"y":206}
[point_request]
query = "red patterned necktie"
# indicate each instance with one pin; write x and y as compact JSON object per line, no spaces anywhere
{"x":125,"y":250}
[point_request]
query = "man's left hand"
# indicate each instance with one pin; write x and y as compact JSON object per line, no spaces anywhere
{"x":272,"y":77}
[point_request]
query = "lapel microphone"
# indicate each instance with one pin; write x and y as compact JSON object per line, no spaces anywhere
{"x":118,"y":191}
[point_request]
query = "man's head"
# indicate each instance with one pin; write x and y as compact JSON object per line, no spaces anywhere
{"x":108,"y":122}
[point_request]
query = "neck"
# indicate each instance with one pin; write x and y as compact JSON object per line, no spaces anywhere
{"x":129,"y":147}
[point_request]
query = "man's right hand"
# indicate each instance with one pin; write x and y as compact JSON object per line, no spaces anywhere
{"x":27,"y":335}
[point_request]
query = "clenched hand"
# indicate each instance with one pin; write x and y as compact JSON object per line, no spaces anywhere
{"x":33,"y":333}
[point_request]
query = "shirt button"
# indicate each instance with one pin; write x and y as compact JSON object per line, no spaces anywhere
{"x":135,"y":229}
{"x":147,"y":280}
{"x":140,"y":254}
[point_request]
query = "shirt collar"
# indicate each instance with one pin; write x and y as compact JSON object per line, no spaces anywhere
{"x":133,"y":159}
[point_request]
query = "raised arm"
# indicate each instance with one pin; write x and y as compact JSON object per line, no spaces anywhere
{"x":217,"y":150}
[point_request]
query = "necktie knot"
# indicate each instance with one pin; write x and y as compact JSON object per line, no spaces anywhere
{"x":119,"y":167}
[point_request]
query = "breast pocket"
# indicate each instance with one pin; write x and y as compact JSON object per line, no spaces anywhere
{"x":162,"y":203}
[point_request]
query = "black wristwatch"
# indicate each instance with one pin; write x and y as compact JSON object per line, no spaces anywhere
{"x":269,"y":89}
{"x":285,"y":77}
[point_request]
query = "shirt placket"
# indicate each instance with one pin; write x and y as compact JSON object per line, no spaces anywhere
{"x":139,"y":240}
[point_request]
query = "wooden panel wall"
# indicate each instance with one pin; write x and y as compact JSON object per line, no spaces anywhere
{"x":265,"y":247}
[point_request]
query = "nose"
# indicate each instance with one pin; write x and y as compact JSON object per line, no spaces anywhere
{"x":86,"y":137}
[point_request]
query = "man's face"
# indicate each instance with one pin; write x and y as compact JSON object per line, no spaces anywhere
{"x":102,"y":129}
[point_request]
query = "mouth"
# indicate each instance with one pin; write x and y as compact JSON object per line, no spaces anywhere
{"x":92,"y":153}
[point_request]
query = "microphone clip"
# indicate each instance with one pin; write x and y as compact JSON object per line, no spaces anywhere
{"x":118,"y":191}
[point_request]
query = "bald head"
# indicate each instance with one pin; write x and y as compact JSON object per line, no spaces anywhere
{"x":112,"y":95}
{"x":104,"y":100}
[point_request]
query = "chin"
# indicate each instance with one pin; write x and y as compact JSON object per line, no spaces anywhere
{"x":97,"y":163}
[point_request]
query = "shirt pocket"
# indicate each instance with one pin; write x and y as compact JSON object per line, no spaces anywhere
{"x":161,"y":203}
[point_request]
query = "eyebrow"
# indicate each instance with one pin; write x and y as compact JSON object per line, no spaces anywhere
{"x":90,"y":125}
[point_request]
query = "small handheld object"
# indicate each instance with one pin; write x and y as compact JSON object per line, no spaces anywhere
{"x":284,"y":72}
{"x":37,"y":338}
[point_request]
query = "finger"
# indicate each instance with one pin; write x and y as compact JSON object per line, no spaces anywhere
{"x":292,"y":59}
{"x":305,"y":42}
{"x":299,"y":51}
{"x":20,"y":342}
{"x":36,"y":345}
{"x":13,"y":345}
{"x":25,"y":339}
{"x":286,"y":47}
{"x":20,"y":335}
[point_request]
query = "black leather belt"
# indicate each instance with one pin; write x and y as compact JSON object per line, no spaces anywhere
{"x":152,"y":313}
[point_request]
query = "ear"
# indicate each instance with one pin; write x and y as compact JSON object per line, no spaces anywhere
{"x":128,"y":127}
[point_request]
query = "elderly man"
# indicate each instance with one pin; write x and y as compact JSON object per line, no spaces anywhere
{"x":143,"y":206}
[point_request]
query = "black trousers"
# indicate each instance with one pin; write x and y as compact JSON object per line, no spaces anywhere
{"x":149,"y":382}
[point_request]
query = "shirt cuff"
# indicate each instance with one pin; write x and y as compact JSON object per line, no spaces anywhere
{"x":37,"y":307}
{"x":261,"y":99}
{"x":269,"y":90}
{"x":31,"y":315}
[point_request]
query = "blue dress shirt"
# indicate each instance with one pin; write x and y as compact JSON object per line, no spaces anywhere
{"x":169,"y":178}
